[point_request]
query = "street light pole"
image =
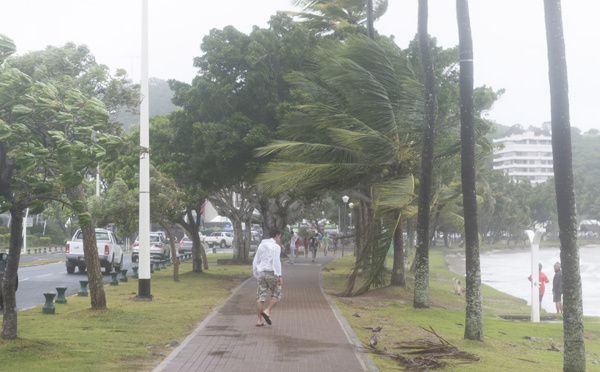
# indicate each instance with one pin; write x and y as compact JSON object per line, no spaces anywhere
{"x":345,"y":199}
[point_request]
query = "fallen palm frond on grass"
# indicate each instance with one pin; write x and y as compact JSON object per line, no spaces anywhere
{"x":430,"y":354}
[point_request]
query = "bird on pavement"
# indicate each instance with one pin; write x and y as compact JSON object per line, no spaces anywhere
{"x":374,"y":342}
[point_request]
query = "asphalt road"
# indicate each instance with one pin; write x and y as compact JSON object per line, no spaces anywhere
{"x":35,"y":280}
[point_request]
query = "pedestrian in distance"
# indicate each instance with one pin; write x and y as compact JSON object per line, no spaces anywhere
{"x":293,"y":240}
{"x":336,"y":240}
{"x":326,"y":243}
{"x":543,"y":279}
{"x":557,"y":288}
{"x":306,"y":245}
{"x":266,"y":268}
{"x":313,"y":241}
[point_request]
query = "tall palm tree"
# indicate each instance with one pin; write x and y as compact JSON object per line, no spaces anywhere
{"x":353,"y":134}
{"x":574,"y":359}
{"x":474,"y":313}
{"x":421,"y":292}
{"x":328,"y":15}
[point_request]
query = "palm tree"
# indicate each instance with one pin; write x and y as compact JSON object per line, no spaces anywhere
{"x":574,"y":359}
{"x":421,"y":293}
{"x":473,"y":315}
{"x":328,"y":15}
{"x":360,"y":140}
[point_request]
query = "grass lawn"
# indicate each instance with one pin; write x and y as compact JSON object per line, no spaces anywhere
{"x":509,"y":345}
{"x":129,"y":335}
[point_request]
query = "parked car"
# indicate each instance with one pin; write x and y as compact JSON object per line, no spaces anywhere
{"x":159,"y":249}
{"x":223,"y":239}
{"x":3,"y":259}
{"x":109,"y":248}
{"x":185,"y":245}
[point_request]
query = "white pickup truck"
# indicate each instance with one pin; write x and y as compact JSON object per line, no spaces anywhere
{"x":110,"y":251}
{"x":222,"y":239}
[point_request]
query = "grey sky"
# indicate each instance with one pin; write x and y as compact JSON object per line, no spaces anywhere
{"x":509,"y":41}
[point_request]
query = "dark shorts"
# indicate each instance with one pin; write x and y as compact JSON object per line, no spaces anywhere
{"x":557,"y":297}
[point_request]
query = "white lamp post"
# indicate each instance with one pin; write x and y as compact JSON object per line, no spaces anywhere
{"x":534,"y":239}
{"x":345,"y":199}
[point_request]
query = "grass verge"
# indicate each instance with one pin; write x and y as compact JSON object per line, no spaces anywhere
{"x":129,"y":335}
{"x":508,"y":346}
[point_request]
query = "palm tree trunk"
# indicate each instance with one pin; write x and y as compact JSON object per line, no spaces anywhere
{"x":574,"y":359}
{"x":370,"y":27}
{"x":398,"y":274}
{"x":474,"y":312}
{"x":421,"y":296}
{"x":9,"y":282}
{"x":90,"y":250}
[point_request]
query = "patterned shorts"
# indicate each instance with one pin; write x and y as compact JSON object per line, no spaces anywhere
{"x":267,"y":281}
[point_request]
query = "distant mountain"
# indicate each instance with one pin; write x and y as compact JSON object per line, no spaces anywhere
{"x":160,"y":104}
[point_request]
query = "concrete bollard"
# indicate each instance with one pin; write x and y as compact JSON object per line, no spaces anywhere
{"x":60,"y":298}
{"x":49,"y":305}
{"x":123,"y":277}
{"x":29,"y":251}
{"x":151,"y":267}
{"x":83,"y":291}
{"x":113,"y":279}
{"x":162,"y":265}
{"x":135,"y":274}
{"x":169,"y":262}
{"x":157,"y":266}
{"x":45,"y":250}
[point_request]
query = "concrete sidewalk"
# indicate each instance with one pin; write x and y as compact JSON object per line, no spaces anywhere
{"x":308,"y":332}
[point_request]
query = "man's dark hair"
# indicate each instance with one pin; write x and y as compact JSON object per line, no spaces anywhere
{"x":274,"y":232}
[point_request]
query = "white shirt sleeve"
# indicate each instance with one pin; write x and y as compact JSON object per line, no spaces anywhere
{"x":277,"y":261}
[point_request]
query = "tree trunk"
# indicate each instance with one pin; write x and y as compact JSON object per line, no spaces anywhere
{"x":165,"y":226}
{"x":474,"y":312}
{"x":410,"y":237}
{"x":398,"y":274}
{"x":574,"y":359}
{"x":238,"y":239}
{"x":9,"y":282}
{"x":421,"y":294}
{"x":247,"y":236}
{"x":370,"y":28}
{"x":198,"y":253}
{"x":90,"y":251}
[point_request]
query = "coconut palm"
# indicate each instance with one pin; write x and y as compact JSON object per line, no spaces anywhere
{"x":329,"y":15}
{"x":356,"y":133}
{"x":575,"y":358}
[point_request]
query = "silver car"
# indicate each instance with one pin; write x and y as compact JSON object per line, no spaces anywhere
{"x":159,"y":249}
{"x":185,"y":245}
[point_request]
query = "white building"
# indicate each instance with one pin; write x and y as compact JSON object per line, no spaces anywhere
{"x":525,"y":156}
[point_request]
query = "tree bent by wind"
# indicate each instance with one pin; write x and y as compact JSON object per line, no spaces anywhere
{"x":355,"y":133}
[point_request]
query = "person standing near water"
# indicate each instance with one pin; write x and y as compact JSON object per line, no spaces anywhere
{"x":557,"y":288}
{"x":543,"y":279}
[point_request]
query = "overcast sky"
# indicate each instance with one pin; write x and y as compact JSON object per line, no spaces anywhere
{"x":508,"y":35}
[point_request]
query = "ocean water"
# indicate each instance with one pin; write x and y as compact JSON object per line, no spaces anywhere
{"x":508,"y":272}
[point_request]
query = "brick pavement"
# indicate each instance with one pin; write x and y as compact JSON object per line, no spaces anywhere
{"x":308,"y":332}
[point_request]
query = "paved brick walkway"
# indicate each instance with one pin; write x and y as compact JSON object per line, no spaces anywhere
{"x":308,"y":333}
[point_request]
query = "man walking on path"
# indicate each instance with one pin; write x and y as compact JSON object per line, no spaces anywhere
{"x":557,"y":288}
{"x":267,"y":269}
{"x":314,"y":241}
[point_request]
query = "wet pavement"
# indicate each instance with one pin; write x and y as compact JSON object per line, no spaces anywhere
{"x":308,"y":332}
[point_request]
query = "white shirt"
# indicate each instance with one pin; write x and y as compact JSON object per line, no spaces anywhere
{"x":267,"y":258}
